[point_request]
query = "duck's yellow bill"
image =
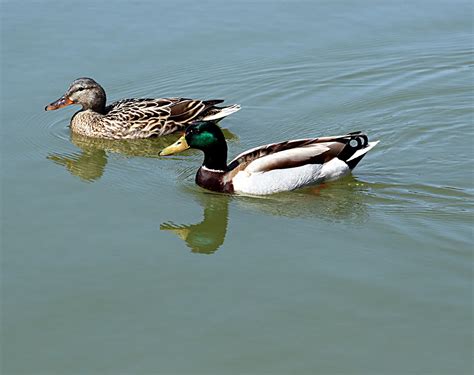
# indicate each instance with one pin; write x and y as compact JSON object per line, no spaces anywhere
{"x":181,"y":231}
{"x":178,"y":146}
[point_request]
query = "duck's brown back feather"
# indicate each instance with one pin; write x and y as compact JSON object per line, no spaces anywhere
{"x":142,"y":118}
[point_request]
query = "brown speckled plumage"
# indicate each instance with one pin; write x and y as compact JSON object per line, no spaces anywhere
{"x":133,"y":118}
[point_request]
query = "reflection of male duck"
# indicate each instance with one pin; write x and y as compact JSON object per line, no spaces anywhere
{"x":342,"y":201}
{"x":89,"y":163}
{"x":208,"y":235}
{"x":338,"y":201}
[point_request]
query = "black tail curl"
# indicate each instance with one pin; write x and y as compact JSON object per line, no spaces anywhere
{"x":354,"y":142}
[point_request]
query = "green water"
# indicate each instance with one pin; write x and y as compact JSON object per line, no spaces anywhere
{"x":114,"y":262}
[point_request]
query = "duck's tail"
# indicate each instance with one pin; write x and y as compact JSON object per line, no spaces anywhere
{"x":359,"y":154}
{"x":218,"y":113}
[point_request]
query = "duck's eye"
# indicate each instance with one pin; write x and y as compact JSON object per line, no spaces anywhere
{"x":81,"y":89}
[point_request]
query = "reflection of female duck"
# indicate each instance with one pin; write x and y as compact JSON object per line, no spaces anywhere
{"x":208,"y":235}
{"x":89,"y":164}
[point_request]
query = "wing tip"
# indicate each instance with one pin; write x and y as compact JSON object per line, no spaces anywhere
{"x":224,"y":112}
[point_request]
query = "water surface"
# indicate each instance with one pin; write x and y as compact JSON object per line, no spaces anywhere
{"x":113,"y":261}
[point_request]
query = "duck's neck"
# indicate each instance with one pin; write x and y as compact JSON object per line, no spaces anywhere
{"x":97,"y":105}
{"x":99,"y":109}
{"x":215,"y":158}
{"x":95,"y":101}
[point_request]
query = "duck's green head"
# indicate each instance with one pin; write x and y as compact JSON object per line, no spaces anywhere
{"x":202,"y":135}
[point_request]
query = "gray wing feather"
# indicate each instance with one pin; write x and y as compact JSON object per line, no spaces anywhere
{"x":290,"y":158}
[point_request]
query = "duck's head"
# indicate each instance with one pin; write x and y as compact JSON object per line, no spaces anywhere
{"x":83,"y":91}
{"x":207,"y":137}
{"x":202,"y":135}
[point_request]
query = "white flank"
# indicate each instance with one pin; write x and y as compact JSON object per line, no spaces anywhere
{"x":363,"y":151}
{"x":224,"y":112}
{"x":279,"y":180}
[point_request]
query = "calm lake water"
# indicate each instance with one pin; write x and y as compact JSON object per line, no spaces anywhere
{"x":114,"y":262}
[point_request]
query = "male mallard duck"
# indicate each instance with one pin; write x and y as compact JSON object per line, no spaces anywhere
{"x":133,"y":118}
{"x":270,"y":168}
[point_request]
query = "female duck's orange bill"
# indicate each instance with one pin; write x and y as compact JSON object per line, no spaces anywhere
{"x":63,"y":101}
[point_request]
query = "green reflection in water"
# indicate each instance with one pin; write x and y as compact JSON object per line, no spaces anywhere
{"x":339,"y":201}
{"x":208,"y":235}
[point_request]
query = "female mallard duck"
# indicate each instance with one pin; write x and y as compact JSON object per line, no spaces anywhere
{"x":133,"y":118}
{"x":270,"y":168}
